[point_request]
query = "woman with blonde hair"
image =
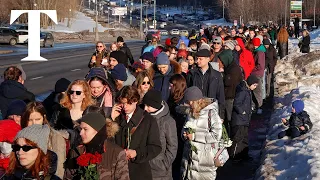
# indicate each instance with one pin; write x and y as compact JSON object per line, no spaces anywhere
{"x":114,"y":47}
{"x":73,"y":103}
{"x":100,"y":56}
{"x":282,"y":40}
{"x":143,"y":83}
{"x":305,"y":43}
{"x":36,"y":114}
{"x":202,"y":132}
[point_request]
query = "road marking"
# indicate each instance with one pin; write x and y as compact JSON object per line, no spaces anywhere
{"x":73,"y":70}
{"x":39,"y":77}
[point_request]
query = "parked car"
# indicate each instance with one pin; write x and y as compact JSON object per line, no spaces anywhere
{"x":155,"y":33}
{"x":164,"y":32}
{"x":184,"y":33}
{"x":8,"y":35}
{"x":23,"y":36}
{"x":19,"y":27}
{"x":46,"y":39}
{"x":175,"y":32}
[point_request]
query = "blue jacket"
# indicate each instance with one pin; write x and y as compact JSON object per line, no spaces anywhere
{"x":242,"y":106}
{"x":185,"y":40}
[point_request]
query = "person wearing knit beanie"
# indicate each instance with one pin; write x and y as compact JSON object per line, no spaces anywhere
{"x":148,"y":56}
{"x":118,"y":57}
{"x":168,"y":42}
{"x":119,"y":74}
{"x":96,"y":120}
{"x":162,"y":59}
{"x":39,"y":134}
{"x":252,"y":80}
{"x":61,"y":85}
{"x":16,"y":107}
{"x":298,"y":106}
{"x":256,"y":42}
{"x":192,"y":93}
{"x":231,"y":44}
{"x":182,"y":53}
{"x":153,"y":98}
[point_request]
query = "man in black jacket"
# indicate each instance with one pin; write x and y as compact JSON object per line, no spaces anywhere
{"x":271,"y":61}
{"x":12,"y":88}
{"x":208,"y":80}
{"x":138,"y":133}
{"x":124,"y":48}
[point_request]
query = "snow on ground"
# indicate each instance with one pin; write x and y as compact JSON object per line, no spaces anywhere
{"x":218,"y":22}
{"x":81,"y":22}
{"x":297,"y":158}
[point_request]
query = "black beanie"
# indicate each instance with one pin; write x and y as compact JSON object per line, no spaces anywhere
{"x":61,"y":85}
{"x":252,"y":79}
{"x":120,"y":57}
{"x":266,"y":42}
{"x":120,"y":39}
{"x":153,"y":98}
{"x":95,"y":120}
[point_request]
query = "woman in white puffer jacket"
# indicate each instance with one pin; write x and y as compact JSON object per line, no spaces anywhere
{"x":202,"y":137}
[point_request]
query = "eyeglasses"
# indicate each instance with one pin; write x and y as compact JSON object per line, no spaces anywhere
{"x":99,"y":46}
{"x":25,"y":148}
{"x":144,"y":82}
{"x":72,"y":92}
{"x":216,"y":43}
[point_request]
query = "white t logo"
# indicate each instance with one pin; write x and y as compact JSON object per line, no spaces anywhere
{"x":33,"y":30}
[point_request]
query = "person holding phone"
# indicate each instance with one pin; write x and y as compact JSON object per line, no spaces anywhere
{"x":138,"y":133}
{"x":100,"y":56}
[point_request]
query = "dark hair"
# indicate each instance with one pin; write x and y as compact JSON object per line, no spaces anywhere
{"x":97,"y":79}
{"x":93,"y":109}
{"x":130,"y":93}
{"x":174,"y":41}
{"x":178,"y":88}
{"x":172,"y":48}
{"x":33,"y":107}
{"x":228,"y":38}
{"x":12,"y":73}
{"x":42,"y":162}
{"x":193,"y":42}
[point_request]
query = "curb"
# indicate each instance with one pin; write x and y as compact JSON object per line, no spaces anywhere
{"x":6,"y":51}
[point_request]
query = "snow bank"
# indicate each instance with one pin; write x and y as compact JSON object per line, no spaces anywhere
{"x":298,"y":158}
{"x":218,"y":22}
{"x":81,"y":22}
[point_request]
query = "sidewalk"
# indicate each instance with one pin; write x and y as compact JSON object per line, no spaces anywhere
{"x":257,"y":137}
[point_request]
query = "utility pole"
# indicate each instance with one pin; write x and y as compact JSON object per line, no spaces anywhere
{"x":97,"y":34}
{"x":141,"y":28}
{"x":285,"y":13}
{"x":131,"y":5}
{"x":154,"y":14}
{"x":314,"y":13}
{"x":223,"y":9}
{"x":89,"y":3}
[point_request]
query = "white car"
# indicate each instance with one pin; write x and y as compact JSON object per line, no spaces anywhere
{"x":164,"y":32}
{"x":23,"y":36}
{"x":175,"y":32}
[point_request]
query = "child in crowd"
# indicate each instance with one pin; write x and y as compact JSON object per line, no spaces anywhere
{"x":299,"y":122}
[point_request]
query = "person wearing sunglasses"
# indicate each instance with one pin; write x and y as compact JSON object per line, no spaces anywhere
{"x":100,"y":55}
{"x":73,"y":103}
{"x":30,"y":157}
{"x":35,"y":113}
{"x":143,"y":83}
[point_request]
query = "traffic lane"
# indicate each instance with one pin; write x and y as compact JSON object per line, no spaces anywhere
{"x":41,"y":77}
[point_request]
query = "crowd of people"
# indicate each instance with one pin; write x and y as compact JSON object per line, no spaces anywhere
{"x":165,"y":115}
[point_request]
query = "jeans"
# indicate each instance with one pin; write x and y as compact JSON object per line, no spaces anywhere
{"x":291,"y":132}
{"x":227,"y":121}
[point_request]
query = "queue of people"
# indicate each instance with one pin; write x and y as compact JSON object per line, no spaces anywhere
{"x":164,"y":116}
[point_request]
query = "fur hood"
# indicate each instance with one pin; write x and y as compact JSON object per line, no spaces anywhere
{"x":112,"y":128}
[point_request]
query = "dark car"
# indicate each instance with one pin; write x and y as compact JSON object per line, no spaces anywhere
{"x":46,"y":39}
{"x":9,"y":36}
{"x":19,"y":27}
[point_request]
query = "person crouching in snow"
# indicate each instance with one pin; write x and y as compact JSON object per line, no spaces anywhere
{"x":299,"y":122}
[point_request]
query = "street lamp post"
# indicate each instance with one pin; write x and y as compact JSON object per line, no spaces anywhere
{"x":223,"y":9}
{"x":141,"y":28}
{"x":97,"y":34}
{"x":314,"y":13}
{"x":285,"y":13}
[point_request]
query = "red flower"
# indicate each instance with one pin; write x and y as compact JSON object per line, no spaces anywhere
{"x":96,"y":158}
{"x":84,"y":159}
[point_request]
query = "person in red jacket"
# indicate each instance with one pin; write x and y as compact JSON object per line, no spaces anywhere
{"x":8,"y":130}
{"x":246,"y":60}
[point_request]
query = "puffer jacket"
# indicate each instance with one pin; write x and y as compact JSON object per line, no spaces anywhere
{"x":301,"y":119}
{"x":161,"y":166}
{"x":201,"y":163}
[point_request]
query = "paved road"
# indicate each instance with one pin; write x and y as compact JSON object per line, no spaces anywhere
{"x":71,"y":64}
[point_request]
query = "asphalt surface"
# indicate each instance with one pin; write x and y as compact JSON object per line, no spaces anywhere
{"x":70,"y":63}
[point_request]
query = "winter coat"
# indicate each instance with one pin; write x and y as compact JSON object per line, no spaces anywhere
{"x":57,"y":144}
{"x":145,"y":141}
{"x":50,"y":102}
{"x":201,"y":163}
{"x":106,"y":100}
{"x":99,"y":58}
{"x":246,"y":60}
{"x":161,"y":166}
{"x":283,"y":49}
{"x":260,"y":60}
{"x":127,"y":51}
{"x":114,"y":164}
{"x":232,"y":74}
{"x":185,"y":41}
{"x":161,"y":81}
{"x":271,"y":58}
{"x":211,"y":85}
{"x":8,"y":130}
{"x":301,"y":119}
{"x":61,"y":119}
{"x":305,"y":44}
{"x":144,"y":46}
{"x":242,"y":106}
{"x":12,"y":90}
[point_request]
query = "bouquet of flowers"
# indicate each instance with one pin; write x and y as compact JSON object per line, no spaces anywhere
{"x":88,"y":166}
{"x":190,"y":130}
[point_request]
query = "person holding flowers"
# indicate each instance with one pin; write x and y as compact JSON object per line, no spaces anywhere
{"x":97,"y":158}
{"x":202,"y":132}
